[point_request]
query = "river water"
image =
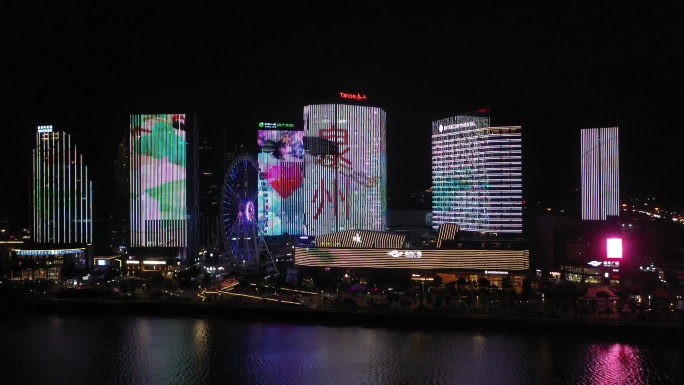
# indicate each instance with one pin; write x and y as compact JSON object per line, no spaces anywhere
{"x":78,"y":350}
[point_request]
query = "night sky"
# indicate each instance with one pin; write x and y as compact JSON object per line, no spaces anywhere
{"x":84,"y":67}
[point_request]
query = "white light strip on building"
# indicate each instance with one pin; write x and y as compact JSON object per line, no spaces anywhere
{"x":600,"y":177}
{"x":60,"y":188}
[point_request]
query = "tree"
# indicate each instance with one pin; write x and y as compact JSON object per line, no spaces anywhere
{"x":405,"y":302}
{"x":483,"y":283}
{"x":593,"y":305}
{"x":461,"y":283}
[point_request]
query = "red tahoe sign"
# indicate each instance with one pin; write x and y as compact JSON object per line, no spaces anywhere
{"x":357,"y":96}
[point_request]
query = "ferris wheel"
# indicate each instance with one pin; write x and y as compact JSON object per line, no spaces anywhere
{"x":243,"y":237}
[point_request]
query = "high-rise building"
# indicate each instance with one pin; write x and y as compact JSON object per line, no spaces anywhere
{"x":600,"y":173}
{"x":62,"y":191}
{"x":281,"y":164}
{"x":161,"y":165}
{"x":344,"y":184}
{"x":212,"y":165}
{"x":477,"y":174}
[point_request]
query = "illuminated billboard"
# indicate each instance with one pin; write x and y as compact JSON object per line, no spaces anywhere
{"x":614,"y":247}
{"x":477,"y":174}
{"x":281,"y":166}
{"x":345,"y":168}
{"x":158,"y":195}
{"x":600,"y":173}
{"x":498,"y":260}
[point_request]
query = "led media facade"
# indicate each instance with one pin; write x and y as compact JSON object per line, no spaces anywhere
{"x":477,"y":174}
{"x":345,"y":168}
{"x":429,"y":259}
{"x":158,"y":196}
{"x":281,"y":168}
{"x":600,"y":173}
{"x":62,"y":191}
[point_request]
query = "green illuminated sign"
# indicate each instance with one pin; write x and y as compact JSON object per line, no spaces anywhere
{"x":275,"y":125}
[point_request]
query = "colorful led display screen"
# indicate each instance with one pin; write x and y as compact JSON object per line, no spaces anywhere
{"x":281,"y":167}
{"x":345,"y":168}
{"x":158,"y":208}
{"x":614,"y":247}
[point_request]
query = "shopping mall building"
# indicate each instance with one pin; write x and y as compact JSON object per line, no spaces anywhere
{"x":450,"y":255}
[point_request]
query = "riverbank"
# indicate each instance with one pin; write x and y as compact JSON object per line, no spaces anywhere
{"x":391,"y":318}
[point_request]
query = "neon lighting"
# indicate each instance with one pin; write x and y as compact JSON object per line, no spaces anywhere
{"x":345,"y":95}
{"x":345,"y":169}
{"x":614,"y":247}
{"x":600,"y":173}
{"x":62,"y":191}
{"x":476,"y":174}
{"x":42,"y":129}
{"x":158,"y":207}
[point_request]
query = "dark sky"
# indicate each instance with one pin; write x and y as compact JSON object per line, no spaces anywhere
{"x":84,"y":66}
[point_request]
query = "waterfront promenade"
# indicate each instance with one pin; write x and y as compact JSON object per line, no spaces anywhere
{"x":268,"y":311}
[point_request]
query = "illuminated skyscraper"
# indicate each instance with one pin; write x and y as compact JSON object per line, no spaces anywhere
{"x":62,"y":191}
{"x":477,"y":174}
{"x":600,"y":173}
{"x":344,"y":184}
{"x":281,"y":159}
{"x":161,"y":166}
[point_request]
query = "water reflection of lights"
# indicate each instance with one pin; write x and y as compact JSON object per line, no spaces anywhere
{"x":479,"y":342}
{"x":614,"y":364}
{"x":200,"y":330}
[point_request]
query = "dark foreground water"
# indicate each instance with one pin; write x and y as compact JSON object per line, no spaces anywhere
{"x":77,"y":350}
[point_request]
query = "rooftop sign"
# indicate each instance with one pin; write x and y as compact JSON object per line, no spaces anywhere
{"x":275,"y":125}
{"x":356,"y":96}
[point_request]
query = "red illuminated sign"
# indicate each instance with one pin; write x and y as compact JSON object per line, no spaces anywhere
{"x":345,"y":95}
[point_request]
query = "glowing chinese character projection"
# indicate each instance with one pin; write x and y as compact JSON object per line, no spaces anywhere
{"x":158,"y":181}
{"x":345,"y":168}
{"x":281,"y":164}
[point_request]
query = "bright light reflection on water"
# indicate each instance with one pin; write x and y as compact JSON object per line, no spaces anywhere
{"x":140,"y":350}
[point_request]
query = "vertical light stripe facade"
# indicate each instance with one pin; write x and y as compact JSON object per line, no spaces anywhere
{"x":600,"y":173}
{"x":62,"y":191}
{"x":281,"y":161}
{"x":345,"y":168}
{"x":477,"y":175}
{"x":158,"y":194}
